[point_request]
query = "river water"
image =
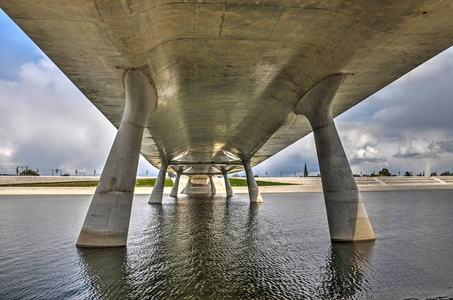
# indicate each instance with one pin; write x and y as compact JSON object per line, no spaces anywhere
{"x":218,"y":248}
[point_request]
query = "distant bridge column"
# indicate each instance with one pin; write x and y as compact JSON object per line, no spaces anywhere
{"x":229,"y":190}
{"x":174,"y":190}
{"x":158,"y":189}
{"x":346,"y":214}
{"x":213,"y":189}
{"x":254,"y":192}
{"x":107,"y":221}
{"x":187,"y":188}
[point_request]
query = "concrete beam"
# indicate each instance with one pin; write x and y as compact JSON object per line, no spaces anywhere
{"x":207,"y":174}
{"x":254,"y":192}
{"x":346,"y":214}
{"x":158,"y":189}
{"x":183,"y":163}
{"x":107,"y":221}
{"x":389,"y":39}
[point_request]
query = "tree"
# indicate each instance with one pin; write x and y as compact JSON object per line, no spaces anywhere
{"x":434,"y":173}
{"x":407,"y":173}
{"x":384,"y":172}
{"x":446,"y":173}
{"x":29,"y":172}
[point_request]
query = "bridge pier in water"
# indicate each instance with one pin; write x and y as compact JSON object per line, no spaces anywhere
{"x":188,"y":184}
{"x":346,"y":214}
{"x":174,"y":190}
{"x":254,"y":191}
{"x":107,"y":221}
{"x":228,"y":188}
{"x":158,"y":189}
{"x":213,"y":189}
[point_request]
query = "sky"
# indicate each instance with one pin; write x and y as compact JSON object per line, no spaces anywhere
{"x":46,"y":123}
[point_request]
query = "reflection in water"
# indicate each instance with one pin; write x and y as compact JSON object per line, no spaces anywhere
{"x":104,"y":272}
{"x":216,"y":248}
{"x":219,"y":248}
{"x":345,"y":269}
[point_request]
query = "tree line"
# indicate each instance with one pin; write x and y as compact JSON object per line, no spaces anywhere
{"x":386,"y":172}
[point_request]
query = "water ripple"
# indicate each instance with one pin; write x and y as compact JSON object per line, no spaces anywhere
{"x":218,"y":248}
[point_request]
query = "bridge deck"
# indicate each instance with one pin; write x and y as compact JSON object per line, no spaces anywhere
{"x":228,"y":75}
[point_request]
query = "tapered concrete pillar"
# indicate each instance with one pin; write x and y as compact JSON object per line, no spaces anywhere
{"x":228,"y":189}
{"x":174,"y":190}
{"x":213,"y":189}
{"x":107,"y":221}
{"x":158,"y":189}
{"x":254,"y":192}
{"x":187,"y":188}
{"x":346,"y":214}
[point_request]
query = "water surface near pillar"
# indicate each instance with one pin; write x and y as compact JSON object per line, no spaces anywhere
{"x":219,"y":248}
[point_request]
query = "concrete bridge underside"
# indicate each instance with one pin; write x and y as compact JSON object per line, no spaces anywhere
{"x":212,"y":87}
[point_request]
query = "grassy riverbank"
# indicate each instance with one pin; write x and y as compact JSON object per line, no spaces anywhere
{"x":145,"y":182}
{"x":243,"y":182}
{"x":138,"y":183}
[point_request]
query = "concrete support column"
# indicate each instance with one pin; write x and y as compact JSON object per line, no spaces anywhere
{"x":187,"y":188}
{"x":254,"y":192}
{"x":174,"y":190}
{"x":158,"y":189}
{"x":107,"y":221}
{"x":229,"y":190}
{"x":213,"y":189}
{"x":346,"y":214}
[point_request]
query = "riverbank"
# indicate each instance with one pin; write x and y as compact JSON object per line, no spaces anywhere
{"x":299,"y":185}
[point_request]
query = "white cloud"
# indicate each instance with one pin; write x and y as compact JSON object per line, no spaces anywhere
{"x":46,"y":123}
{"x":361,"y":139}
{"x":361,"y":146}
{"x":368,"y":154}
{"x":6,"y":152}
{"x":421,"y":148}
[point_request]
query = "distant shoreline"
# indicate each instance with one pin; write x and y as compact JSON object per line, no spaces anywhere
{"x":300,"y":185}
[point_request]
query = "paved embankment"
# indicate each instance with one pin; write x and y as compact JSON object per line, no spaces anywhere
{"x":301,"y":185}
{"x":391,"y":183}
{"x":44,"y":179}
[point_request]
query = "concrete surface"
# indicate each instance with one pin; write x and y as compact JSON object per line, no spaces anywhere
{"x":213,"y":188}
{"x":254,"y":191}
{"x":107,"y":221}
{"x":175,"y":189}
{"x":228,"y":74}
{"x":228,"y":189}
{"x":158,"y":190}
{"x":346,"y":213}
